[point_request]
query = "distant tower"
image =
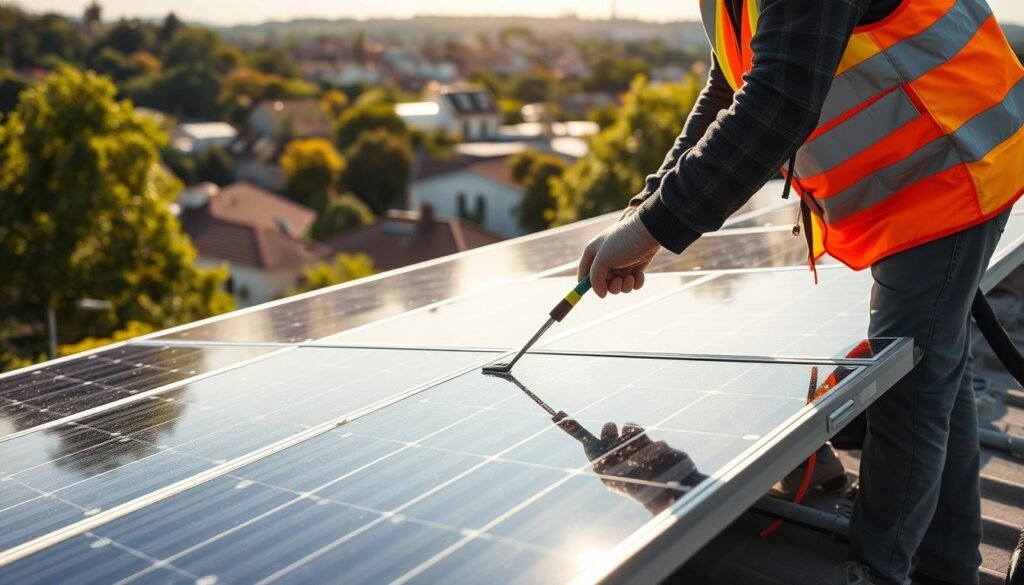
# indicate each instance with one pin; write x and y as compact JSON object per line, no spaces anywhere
{"x":612,"y":24}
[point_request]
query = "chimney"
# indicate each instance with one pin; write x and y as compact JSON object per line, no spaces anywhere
{"x":426,"y":221}
{"x":197,"y":196}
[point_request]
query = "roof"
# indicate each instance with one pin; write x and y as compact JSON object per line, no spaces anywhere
{"x":469,"y":99}
{"x":208,"y":130}
{"x":245,"y":224}
{"x":306,"y":116}
{"x":494,"y":168}
{"x":261,"y":247}
{"x":407,"y":237}
{"x":246,"y":204}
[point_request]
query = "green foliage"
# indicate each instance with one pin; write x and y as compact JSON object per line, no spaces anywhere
{"x":333,"y":102}
{"x":85,"y":214}
{"x":200,"y":48}
{"x":624,"y":153}
{"x":312,"y":168}
{"x":11,"y":86}
{"x":379,"y":166}
{"x":244,"y":88}
{"x":341,"y":214}
{"x":131,"y":330}
{"x":273,"y":61}
{"x":613,"y":73}
{"x":110,"y":62}
{"x":604,"y":116}
{"x":535,"y":87}
{"x":214,"y":165}
{"x":358,"y":119}
{"x":344,"y":268}
{"x":511,"y":110}
{"x":535,"y":171}
{"x":129,"y":36}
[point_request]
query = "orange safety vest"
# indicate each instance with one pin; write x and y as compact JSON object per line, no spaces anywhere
{"x":921,"y":135}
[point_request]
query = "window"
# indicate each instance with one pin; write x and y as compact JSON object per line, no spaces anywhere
{"x":481,"y":208}
{"x":460,"y":205}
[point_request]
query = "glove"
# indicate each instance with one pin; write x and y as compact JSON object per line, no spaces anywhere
{"x":616,"y":258}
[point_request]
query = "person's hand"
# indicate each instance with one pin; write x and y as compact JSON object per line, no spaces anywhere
{"x":631,"y":464}
{"x":617,"y":257}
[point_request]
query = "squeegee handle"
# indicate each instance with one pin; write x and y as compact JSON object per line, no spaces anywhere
{"x":565,"y":305}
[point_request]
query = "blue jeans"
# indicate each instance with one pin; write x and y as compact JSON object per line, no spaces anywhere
{"x":920,"y":495}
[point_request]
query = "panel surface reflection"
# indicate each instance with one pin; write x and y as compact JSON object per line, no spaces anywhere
{"x":54,"y":391}
{"x":470,"y":481}
{"x":74,"y":470}
{"x":501,"y":317}
{"x":763,"y":313}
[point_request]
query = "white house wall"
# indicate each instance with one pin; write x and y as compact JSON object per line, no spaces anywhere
{"x":502,"y":201}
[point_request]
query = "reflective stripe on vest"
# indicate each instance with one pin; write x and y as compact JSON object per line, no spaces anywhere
{"x":921,"y":133}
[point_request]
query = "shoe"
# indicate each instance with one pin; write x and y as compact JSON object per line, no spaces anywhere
{"x":829,"y":475}
{"x":849,"y":573}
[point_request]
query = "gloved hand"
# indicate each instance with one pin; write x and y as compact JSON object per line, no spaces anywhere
{"x":633,"y":465}
{"x":616,"y":258}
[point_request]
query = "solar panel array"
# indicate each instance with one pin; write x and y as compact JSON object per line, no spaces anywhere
{"x":349,"y":436}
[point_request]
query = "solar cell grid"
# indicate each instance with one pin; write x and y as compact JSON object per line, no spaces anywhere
{"x":470,"y":465}
{"x":54,"y":391}
{"x":108,"y":458}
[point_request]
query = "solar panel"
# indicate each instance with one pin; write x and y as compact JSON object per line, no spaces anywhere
{"x":54,"y":390}
{"x":307,"y":459}
{"x":71,"y":471}
{"x":473,"y":467}
{"x":493,"y":318}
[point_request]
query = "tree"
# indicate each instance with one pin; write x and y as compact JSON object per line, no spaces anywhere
{"x":312,"y":168}
{"x":379,"y":166}
{"x":341,"y":214}
{"x":364,"y":118}
{"x":86,"y":214}
{"x":214,"y":165}
{"x":245,"y":87}
{"x":274,"y":61}
{"x":129,"y":36}
{"x":11,"y":86}
{"x":171,"y":25}
{"x":93,"y":15}
{"x":334,"y":102}
{"x":624,"y":153}
{"x":344,"y":268}
{"x":534,"y":171}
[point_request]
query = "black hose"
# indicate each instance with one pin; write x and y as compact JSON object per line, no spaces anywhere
{"x":997,"y":337}
{"x":1011,"y":358}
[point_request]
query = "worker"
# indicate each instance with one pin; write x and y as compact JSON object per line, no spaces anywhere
{"x":898,"y":123}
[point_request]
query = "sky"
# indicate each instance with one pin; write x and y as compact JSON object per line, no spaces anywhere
{"x":252,"y":11}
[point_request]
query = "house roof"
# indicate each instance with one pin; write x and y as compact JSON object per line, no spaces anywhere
{"x":261,"y":247}
{"x":408,"y":237}
{"x":306,"y":116}
{"x":470,"y":100}
{"x":247,"y":204}
{"x":493,"y":168}
{"x":245,"y":224}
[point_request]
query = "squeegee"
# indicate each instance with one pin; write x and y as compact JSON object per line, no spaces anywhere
{"x":556,"y":315}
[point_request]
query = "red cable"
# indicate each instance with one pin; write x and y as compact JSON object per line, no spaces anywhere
{"x":805,"y":485}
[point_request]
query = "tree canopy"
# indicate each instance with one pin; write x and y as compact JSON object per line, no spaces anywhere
{"x":379,"y":166}
{"x":358,"y":119}
{"x":85,"y":214}
{"x":342,"y":213}
{"x":623,"y":153}
{"x":343,"y":268}
{"x":535,"y":171}
{"x":312,"y":168}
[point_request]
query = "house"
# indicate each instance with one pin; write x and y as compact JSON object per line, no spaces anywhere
{"x":297,"y":118}
{"x":260,"y":236}
{"x":257,"y":160}
{"x":465,"y":110}
{"x":197,"y":137}
{"x":407,"y":237}
{"x":471,"y":187}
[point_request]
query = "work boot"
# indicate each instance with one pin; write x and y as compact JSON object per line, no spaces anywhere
{"x":829,"y":475}
{"x":850,"y":573}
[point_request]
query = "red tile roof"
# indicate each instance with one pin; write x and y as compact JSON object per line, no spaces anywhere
{"x":247,"y":204}
{"x":244,"y":224}
{"x":408,"y":237}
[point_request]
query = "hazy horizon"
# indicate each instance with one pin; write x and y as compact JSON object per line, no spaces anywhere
{"x":228,"y":12}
